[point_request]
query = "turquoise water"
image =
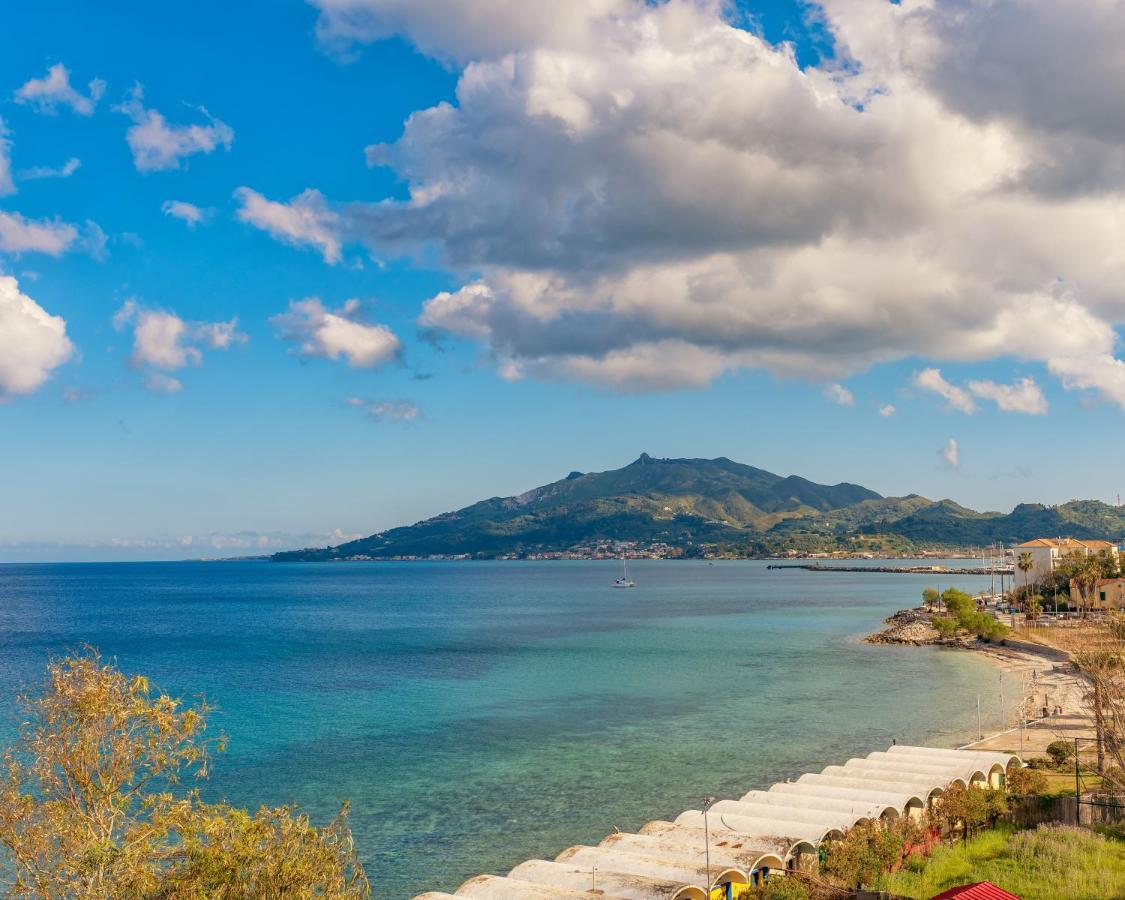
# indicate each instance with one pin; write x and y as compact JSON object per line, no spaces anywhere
{"x":477,"y":714}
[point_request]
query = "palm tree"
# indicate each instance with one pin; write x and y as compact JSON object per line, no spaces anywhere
{"x":1026,"y":563}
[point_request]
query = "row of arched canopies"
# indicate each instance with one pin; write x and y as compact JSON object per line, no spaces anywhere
{"x":743,"y":842}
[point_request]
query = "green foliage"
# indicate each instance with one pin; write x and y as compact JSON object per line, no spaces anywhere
{"x":1060,"y":752}
{"x":1048,"y":863}
{"x":779,"y":887}
{"x":91,"y":806}
{"x":1026,"y":782}
{"x":870,"y":849}
{"x":970,"y":808}
{"x":944,"y":626}
{"x":930,"y":597}
{"x":963,"y":614}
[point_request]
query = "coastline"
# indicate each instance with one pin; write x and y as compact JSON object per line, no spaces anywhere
{"x":1040,"y":681}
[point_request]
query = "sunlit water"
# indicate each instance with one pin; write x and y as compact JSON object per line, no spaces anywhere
{"x":478,"y":714}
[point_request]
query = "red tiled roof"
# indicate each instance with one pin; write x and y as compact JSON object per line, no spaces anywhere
{"x":982,"y":890}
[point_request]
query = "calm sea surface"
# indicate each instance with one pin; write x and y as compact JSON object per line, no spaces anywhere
{"x":478,"y":714}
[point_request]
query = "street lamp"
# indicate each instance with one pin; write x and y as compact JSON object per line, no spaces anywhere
{"x":708,"y":802}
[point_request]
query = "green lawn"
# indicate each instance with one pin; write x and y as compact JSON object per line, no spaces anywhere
{"x":1048,"y":863}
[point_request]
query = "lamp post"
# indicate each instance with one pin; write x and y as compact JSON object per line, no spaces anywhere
{"x":708,"y":802}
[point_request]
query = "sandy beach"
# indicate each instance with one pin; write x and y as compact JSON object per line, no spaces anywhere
{"x":1040,"y":678}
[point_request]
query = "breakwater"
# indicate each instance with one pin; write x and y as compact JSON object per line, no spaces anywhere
{"x":899,"y":570}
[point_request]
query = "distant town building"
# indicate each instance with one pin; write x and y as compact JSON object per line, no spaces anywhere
{"x":1108,"y":593}
{"x":1047,"y":553}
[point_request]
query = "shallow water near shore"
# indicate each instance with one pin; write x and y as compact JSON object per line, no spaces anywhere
{"x":478,"y":714}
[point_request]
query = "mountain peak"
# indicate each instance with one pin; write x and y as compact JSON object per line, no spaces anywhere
{"x":644,"y":460}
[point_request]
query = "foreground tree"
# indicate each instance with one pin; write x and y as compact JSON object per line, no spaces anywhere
{"x":91,"y":805}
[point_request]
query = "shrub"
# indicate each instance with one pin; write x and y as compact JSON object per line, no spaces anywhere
{"x":943,"y":626}
{"x":1025,"y":782}
{"x":1060,"y":752}
{"x":779,"y":887}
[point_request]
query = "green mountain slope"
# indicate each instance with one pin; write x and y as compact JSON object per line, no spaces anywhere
{"x":717,"y":504}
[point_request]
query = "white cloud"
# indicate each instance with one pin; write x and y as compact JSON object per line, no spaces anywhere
{"x":839,"y":395}
{"x":7,"y":185}
{"x":386,"y":410}
{"x":158,"y":146}
{"x":159,"y":383}
{"x":1098,"y":371}
{"x":614,"y":178}
{"x":1023,"y":397}
{"x":67,"y":169}
{"x":452,"y":29}
{"x":304,"y":220}
{"x":165,"y":342}
{"x":950,"y":455}
{"x":33,"y":343}
{"x":46,"y":94}
{"x":188,"y":213}
{"x":19,"y":235}
{"x":887,"y":410}
{"x":956,"y":397}
{"x":332,"y":334}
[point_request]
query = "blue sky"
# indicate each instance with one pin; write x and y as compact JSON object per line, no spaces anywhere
{"x":279,"y":434}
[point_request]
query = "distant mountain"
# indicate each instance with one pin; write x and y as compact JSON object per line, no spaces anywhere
{"x":719,"y":505}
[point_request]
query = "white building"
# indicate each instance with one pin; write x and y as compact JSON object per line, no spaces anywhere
{"x":1047,"y":553}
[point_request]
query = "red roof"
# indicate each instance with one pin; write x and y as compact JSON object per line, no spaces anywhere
{"x":982,"y":890}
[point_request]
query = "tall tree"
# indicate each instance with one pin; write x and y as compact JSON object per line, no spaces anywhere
{"x":1025,"y":563}
{"x":92,"y":805}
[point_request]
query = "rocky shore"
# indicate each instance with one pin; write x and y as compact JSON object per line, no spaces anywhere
{"x":915,"y":627}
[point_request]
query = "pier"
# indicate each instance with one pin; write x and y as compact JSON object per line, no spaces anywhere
{"x":898,"y":570}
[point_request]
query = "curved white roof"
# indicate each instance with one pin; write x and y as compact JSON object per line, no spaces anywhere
{"x":620,"y":884}
{"x":860,"y":809}
{"x":792,"y":813}
{"x":887,"y":776}
{"x":493,"y":887}
{"x":991,"y":757}
{"x":899,"y":798}
{"x":693,"y":837}
{"x":853,"y":780}
{"x":688,"y":845}
{"x":906,"y":766}
{"x":756,"y":826}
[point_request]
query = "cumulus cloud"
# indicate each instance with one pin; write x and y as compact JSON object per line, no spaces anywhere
{"x":887,"y":410}
{"x":386,"y":410}
{"x":188,"y":213}
{"x":7,"y":185}
{"x":54,"y":89}
{"x":839,"y":395}
{"x":67,"y":169}
{"x":158,"y":146}
{"x":163,"y":342}
{"x":451,"y":29}
{"x":615,"y":179}
{"x":20,"y":235}
{"x":956,"y":397}
{"x":305,"y":220}
{"x":1100,"y":372}
{"x":33,"y":343}
{"x":950,"y":455}
{"x":1023,"y":397}
{"x":339,"y":333}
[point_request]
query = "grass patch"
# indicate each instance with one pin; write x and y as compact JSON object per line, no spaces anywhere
{"x":1047,"y":863}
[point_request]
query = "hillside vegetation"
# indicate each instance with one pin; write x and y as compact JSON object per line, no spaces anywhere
{"x":716,"y":505}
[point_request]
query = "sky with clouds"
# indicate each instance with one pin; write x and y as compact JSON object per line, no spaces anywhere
{"x":281,"y":272}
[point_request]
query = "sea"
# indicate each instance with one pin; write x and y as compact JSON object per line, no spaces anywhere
{"x":476,"y":714}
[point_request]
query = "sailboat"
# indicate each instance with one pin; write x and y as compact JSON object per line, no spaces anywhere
{"x":624,"y":581}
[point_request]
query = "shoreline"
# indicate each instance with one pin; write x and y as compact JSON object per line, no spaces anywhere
{"x":1044,"y":681}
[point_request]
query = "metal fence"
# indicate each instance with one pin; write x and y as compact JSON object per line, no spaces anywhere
{"x":1090,"y":810}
